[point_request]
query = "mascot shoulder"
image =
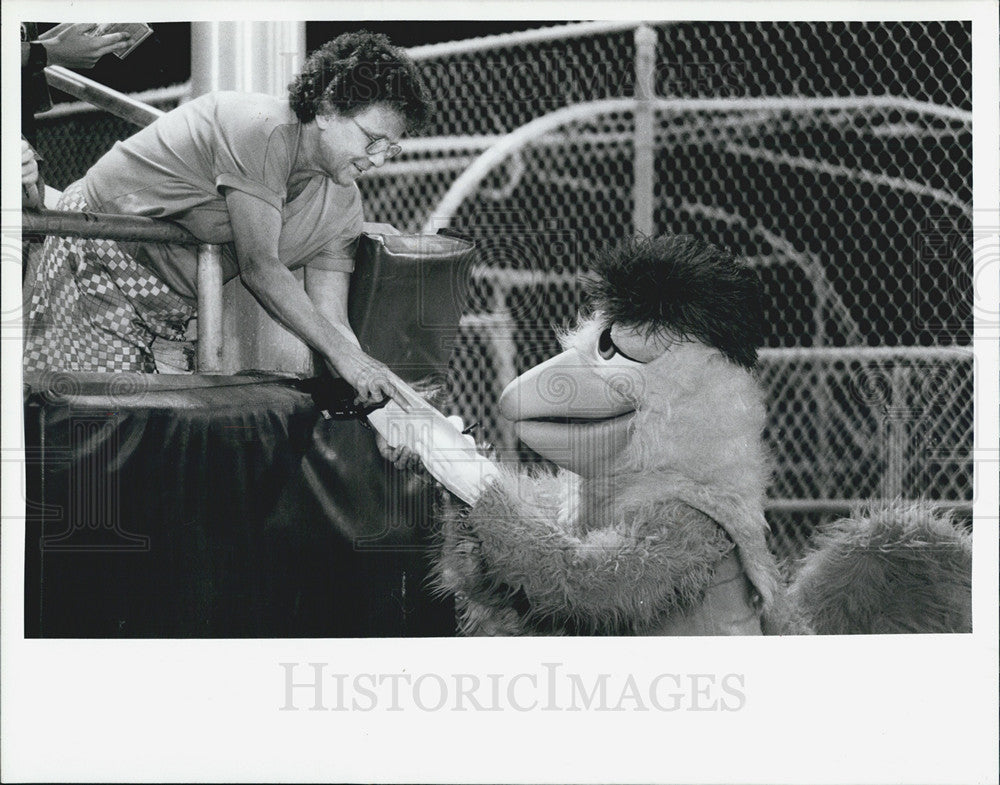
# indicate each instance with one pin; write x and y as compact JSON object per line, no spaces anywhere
{"x":889,"y":569}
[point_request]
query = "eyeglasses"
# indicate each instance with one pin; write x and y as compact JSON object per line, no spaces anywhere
{"x":379,"y":146}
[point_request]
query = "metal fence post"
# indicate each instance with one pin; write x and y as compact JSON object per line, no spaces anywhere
{"x":894,"y":437}
{"x":645,"y":131}
{"x":209,"y":309}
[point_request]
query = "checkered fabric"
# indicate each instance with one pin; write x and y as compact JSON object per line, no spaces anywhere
{"x":94,"y":308}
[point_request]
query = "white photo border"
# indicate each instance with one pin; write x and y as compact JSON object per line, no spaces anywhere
{"x":824,"y":710}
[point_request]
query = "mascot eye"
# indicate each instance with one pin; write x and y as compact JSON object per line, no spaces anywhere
{"x":605,"y":346}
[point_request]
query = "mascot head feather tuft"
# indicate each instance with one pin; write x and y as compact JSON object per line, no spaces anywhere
{"x":682,"y":287}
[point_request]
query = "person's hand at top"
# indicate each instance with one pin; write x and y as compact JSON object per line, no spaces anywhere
{"x":74,"y":45}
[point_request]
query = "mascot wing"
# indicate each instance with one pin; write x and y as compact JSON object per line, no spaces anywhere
{"x":895,"y":568}
{"x":520,"y":562}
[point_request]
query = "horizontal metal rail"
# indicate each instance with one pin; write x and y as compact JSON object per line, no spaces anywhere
{"x":960,"y":354}
{"x":105,"y":226}
{"x":523,"y":38}
{"x":155,"y":97}
{"x":133,"y":228}
{"x":120,"y":105}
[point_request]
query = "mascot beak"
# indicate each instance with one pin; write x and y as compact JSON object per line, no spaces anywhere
{"x":576,"y":408}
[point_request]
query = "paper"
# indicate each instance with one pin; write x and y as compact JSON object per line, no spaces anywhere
{"x":449,"y":455}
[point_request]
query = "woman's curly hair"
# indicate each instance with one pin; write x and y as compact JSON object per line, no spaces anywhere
{"x":354,"y":71}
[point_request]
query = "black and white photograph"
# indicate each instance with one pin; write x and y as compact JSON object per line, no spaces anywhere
{"x":478,"y":389}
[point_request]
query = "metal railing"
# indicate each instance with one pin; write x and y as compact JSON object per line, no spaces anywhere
{"x":534,"y":132}
{"x":155,"y":97}
{"x":136,"y":228}
{"x":96,"y":94}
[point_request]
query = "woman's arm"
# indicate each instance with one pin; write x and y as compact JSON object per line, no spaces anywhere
{"x":256,"y":231}
{"x":328,"y":290}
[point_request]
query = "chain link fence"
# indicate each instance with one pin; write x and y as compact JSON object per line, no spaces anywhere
{"x":835,"y":157}
{"x":71,"y":137}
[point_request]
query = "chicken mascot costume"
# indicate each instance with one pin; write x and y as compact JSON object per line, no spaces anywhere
{"x":654,"y":523}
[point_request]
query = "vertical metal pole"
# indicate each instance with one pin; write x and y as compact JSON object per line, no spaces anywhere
{"x":827,"y":459}
{"x":251,"y":57}
{"x":207,"y":45}
{"x":645,"y":131}
{"x":897,"y":437}
{"x":209,"y":309}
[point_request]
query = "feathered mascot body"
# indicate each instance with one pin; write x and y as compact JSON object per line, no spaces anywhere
{"x":654,"y":525}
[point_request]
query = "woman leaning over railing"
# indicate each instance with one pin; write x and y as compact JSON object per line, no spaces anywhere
{"x":272,"y":180}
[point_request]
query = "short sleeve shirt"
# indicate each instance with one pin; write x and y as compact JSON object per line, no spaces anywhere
{"x":179,"y":168}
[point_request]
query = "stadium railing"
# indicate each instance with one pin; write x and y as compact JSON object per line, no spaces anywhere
{"x":137,"y":228}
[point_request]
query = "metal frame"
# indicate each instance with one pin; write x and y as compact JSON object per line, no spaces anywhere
{"x":138,"y":229}
{"x":94,"y":93}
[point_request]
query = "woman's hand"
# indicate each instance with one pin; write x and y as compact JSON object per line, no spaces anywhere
{"x":372,"y":379}
{"x":52,"y":32}
{"x":328,"y":290}
{"x":72,"y":45}
{"x":30,"y":193}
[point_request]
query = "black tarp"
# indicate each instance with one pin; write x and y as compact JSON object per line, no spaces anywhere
{"x":227,"y":506}
{"x":165,"y":506}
